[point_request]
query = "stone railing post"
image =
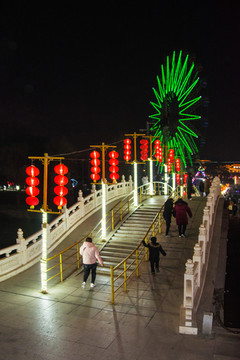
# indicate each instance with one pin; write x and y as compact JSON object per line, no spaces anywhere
{"x":188,"y":284}
{"x":206,"y":220}
{"x":210,"y":204}
{"x":66,"y":218}
{"x":22,"y":246}
{"x":93,"y":191}
{"x":197,"y":258}
{"x":131,"y":182}
{"x":81,"y":204}
{"x":202,"y":239}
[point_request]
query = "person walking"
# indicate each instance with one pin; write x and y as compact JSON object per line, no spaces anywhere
{"x":154,"y":251}
{"x":206,"y":186}
{"x":167,"y":214}
{"x":90,"y":254}
{"x":201,"y":187}
{"x":181,"y":211}
{"x":189,"y":187}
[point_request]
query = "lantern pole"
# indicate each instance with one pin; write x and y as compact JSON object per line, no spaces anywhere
{"x":103,"y":148}
{"x":135,"y":162}
{"x":151,"y":139}
{"x":44,"y":210}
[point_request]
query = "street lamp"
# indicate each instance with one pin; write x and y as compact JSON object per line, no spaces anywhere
{"x":103,"y":148}
{"x":44,"y":209}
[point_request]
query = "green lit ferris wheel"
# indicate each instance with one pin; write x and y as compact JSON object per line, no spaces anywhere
{"x":176,"y":100}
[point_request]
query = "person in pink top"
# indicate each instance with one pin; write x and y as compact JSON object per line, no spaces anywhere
{"x":90,"y":256}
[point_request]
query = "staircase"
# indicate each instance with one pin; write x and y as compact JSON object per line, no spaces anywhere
{"x":128,"y":235}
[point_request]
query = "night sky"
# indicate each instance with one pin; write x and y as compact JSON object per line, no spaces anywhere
{"x":72,"y":76}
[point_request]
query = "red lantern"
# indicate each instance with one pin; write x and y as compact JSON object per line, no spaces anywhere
{"x":60,"y":190}
{"x":178,"y":165}
{"x":158,"y":150}
{"x":60,"y":201}
{"x":32,"y":181}
{"x":113,"y":168}
{"x":171,"y":155}
{"x":32,"y":201}
{"x":178,"y":179}
{"x":95,"y":177}
{"x":169,"y":166}
{"x":61,"y":169}
{"x":32,"y":171}
{"x":185,"y":178}
{"x":95,"y":162}
{"x":127,"y":149}
{"x":61,"y":181}
{"x":144,"y":149}
{"x":32,"y":190}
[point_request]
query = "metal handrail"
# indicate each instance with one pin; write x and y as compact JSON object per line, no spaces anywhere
{"x":115,"y":215}
{"x":156,"y":223}
{"x":123,"y":206}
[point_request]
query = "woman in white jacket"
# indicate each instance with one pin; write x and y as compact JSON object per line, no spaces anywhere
{"x":90,"y":256}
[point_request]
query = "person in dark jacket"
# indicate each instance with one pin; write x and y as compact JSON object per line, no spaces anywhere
{"x":167,"y":214}
{"x":154,"y":250}
{"x":181,"y":211}
{"x":189,"y":187}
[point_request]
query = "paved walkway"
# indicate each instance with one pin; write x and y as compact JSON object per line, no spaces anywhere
{"x":74,"y":323}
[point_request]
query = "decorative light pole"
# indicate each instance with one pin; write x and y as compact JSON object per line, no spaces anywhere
{"x":95,"y":177}
{"x":32,"y":201}
{"x":135,"y":162}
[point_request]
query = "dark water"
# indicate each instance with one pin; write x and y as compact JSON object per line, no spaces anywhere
{"x":232,"y":280}
{"x":14,"y":215}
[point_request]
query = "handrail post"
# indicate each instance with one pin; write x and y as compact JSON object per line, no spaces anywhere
{"x":137,"y":272}
{"x":112,"y":284}
{"x":146,"y":251}
{"x":78,"y":257}
{"x":112,"y":220}
{"x":160,"y":224}
{"x":140,"y":195}
{"x":125,"y":276}
{"x":61,"y":272}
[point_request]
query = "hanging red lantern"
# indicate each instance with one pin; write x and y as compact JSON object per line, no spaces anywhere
{"x":144,"y":149}
{"x":158,"y":150}
{"x":61,"y":181}
{"x":60,"y":201}
{"x":171,"y":154}
{"x":61,"y":169}
{"x":178,"y":179}
{"x":32,"y":182}
{"x":169,"y":165}
{"x":113,"y":168}
{"x":127,"y":149}
{"x":178,"y":165}
{"x":32,"y":171}
{"x":185,"y":178}
{"x":95,"y":162}
{"x":60,"y":190}
{"x":32,"y":201}
{"x":95,"y":177}
{"x":32,"y":191}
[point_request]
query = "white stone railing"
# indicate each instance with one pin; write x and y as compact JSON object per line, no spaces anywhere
{"x":26,"y":252}
{"x":195,"y":273}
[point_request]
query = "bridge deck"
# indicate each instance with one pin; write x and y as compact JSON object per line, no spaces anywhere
{"x":72,"y":323}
